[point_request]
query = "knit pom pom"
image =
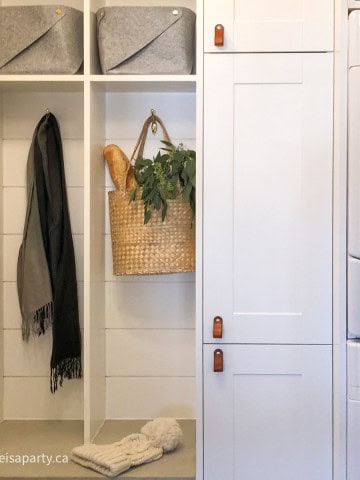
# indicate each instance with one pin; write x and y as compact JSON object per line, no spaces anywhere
{"x":164,"y":433}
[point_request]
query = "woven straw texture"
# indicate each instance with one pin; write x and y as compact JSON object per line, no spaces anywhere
{"x":157,"y":247}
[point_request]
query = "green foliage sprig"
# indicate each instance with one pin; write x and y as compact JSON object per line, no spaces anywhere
{"x":165,"y":177}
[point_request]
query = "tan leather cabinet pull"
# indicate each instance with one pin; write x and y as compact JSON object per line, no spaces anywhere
{"x":219,"y":35}
{"x":218,"y":327}
{"x":218,"y":360}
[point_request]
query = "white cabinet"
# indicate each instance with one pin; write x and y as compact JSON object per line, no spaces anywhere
{"x":268,"y":197}
{"x":268,"y":415}
{"x":267,"y":240}
{"x":270,"y":26}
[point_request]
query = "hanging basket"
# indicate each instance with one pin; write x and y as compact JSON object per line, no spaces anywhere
{"x":159,"y":246}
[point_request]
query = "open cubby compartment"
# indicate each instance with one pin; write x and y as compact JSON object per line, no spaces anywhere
{"x":30,"y":413}
{"x":78,"y":4}
{"x":141,"y":328}
{"x":95,"y":5}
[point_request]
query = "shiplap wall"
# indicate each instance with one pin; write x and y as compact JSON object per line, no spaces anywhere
{"x":26,"y":365}
{"x":150,"y":320}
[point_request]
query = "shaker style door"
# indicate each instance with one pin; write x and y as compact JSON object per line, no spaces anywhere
{"x":270,"y":25}
{"x":268,"y":198}
{"x":268,"y":414}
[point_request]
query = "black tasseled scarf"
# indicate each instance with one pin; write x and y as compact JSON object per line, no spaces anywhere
{"x":46,"y":276}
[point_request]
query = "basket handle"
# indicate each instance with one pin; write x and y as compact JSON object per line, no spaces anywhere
{"x":140,"y":144}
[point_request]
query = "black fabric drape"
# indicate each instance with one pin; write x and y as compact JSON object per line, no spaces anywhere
{"x":49,"y":179}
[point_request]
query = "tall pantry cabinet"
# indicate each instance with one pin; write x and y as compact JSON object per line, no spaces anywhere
{"x":267,"y":247}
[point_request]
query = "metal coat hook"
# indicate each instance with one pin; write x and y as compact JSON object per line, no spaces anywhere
{"x":154,"y":126}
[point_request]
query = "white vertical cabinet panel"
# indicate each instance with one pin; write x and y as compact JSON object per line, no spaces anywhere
{"x":269,"y":413}
{"x":270,"y":26}
{"x":354,"y":163}
{"x":268,"y":197}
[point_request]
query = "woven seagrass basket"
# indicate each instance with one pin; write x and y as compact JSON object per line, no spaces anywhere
{"x":157,"y":247}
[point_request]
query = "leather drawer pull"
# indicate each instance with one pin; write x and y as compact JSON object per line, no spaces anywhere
{"x":218,"y":360}
{"x":219,"y":35}
{"x":218,"y":327}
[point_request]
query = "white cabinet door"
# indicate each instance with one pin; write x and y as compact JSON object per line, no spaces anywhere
{"x":268,"y":197}
{"x":270,"y":25}
{"x":268,"y":415}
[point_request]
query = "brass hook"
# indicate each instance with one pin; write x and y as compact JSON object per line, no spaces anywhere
{"x":153,"y":122}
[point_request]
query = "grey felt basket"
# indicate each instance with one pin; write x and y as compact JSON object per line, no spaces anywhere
{"x":146,"y":40}
{"x":41,"y":40}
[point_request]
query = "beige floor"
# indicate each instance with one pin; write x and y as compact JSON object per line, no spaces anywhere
{"x":46,"y":438}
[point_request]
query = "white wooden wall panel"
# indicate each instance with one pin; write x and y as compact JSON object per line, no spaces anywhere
{"x":150,"y":320}
{"x":11,"y":310}
{"x":11,"y":249}
{"x":165,"y":353}
{"x":29,"y":398}
{"x":126,"y":114}
{"x":14,"y":200}
{"x":150,"y":397}
{"x":22,"y":359}
{"x":15,"y":159}
{"x":27,"y":359}
{"x":142,"y":312}
{"x":26,"y":365}
{"x":11,"y":245}
{"x":31,"y":106}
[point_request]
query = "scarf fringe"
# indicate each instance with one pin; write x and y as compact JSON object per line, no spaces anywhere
{"x":41,"y":321}
{"x":69,"y":368}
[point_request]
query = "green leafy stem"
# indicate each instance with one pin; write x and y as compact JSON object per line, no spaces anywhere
{"x":163,"y":178}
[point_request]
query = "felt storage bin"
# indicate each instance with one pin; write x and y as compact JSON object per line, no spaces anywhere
{"x":41,"y":40}
{"x":146,"y":40}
